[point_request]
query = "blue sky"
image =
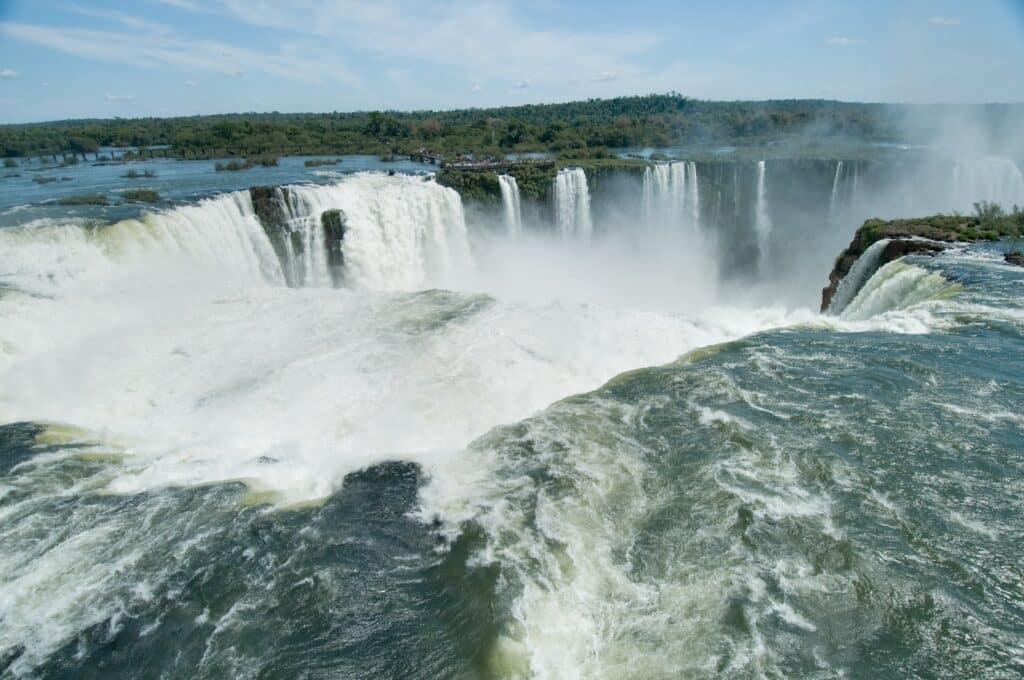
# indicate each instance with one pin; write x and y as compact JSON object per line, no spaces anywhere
{"x":85,"y":58}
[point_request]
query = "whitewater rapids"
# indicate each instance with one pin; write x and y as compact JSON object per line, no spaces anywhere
{"x":169,"y":354}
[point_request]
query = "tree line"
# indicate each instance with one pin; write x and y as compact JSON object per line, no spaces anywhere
{"x":639,"y":121}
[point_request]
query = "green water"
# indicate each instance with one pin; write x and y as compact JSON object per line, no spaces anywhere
{"x":811,"y":501}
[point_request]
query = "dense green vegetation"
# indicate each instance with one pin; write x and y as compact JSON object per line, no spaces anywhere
{"x":83,"y":199}
{"x":141,"y":195}
{"x":265,"y":161}
{"x":575,"y":127}
{"x":989,"y":222}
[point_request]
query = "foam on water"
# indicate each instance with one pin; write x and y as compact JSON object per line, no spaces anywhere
{"x":897,"y":286}
{"x":172,"y":343}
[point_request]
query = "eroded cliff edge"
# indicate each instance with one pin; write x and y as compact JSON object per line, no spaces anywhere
{"x":926,"y":235}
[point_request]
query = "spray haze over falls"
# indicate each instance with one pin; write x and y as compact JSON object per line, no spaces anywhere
{"x":361,"y":355}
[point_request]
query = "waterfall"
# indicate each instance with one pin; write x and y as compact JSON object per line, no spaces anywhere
{"x":400,"y":233}
{"x":762,"y":221}
{"x":994,"y":179}
{"x":834,"y":200}
{"x":693,"y":194}
{"x":572,"y":204}
{"x":395,"y":233}
{"x":897,"y":285}
{"x":862,"y":270}
{"x":219,"y":235}
{"x":672,"y":195}
{"x":510,"y":201}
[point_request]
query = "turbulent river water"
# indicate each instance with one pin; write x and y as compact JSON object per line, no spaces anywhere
{"x":503,"y":454}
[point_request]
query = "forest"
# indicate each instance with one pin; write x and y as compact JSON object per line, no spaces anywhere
{"x":578,"y":129}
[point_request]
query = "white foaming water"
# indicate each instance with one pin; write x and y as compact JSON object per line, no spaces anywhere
{"x":401,"y":232}
{"x":174,"y":339}
{"x":572,"y":204}
{"x":833,"y":202}
{"x":993,"y":178}
{"x":510,"y":202}
{"x":894,"y":287}
{"x":859,"y":273}
{"x":672,"y":196}
{"x":44,"y":258}
{"x":762,"y":220}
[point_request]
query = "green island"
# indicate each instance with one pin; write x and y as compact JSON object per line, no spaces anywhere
{"x":926,"y":235}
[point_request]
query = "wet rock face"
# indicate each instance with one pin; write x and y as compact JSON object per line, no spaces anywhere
{"x":269,"y":204}
{"x":922,"y":236}
{"x":333,"y":222}
{"x":895,"y":250}
{"x":1015,"y":257}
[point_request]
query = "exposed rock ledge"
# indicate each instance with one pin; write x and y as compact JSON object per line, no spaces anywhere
{"x":922,"y":235}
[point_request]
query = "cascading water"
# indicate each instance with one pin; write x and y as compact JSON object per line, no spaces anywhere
{"x":221,"y":234}
{"x":510,"y":202}
{"x":401,"y":232}
{"x":693,"y":194}
{"x":672,"y":195}
{"x":762,"y":220}
{"x":833,"y":202}
{"x":993,"y":179}
{"x":862,"y":270}
{"x":206,"y":474}
{"x":572,"y":204}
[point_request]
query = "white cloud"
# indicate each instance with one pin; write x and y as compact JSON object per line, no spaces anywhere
{"x":162,"y":51}
{"x":8,"y":73}
{"x":841,"y":41}
{"x":120,"y":18}
{"x":118,"y":97}
{"x":453,"y":33}
{"x":605,"y":77}
{"x":190,"y":83}
{"x":477,"y":87}
{"x":182,"y":4}
{"x":522,"y":84}
{"x":944,"y":21}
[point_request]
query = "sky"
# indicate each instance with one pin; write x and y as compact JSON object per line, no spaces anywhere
{"x":101,"y":58}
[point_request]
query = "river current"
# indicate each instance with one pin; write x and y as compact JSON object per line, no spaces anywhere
{"x":497,"y":453}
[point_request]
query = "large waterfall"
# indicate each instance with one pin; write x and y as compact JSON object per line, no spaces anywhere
{"x":510,"y":203}
{"x":994,"y":179}
{"x":833,"y":202}
{"x":762,"y":220}
{"x":572,"y":204}
{"x":399,"y":233}
{"x":672,"y":195}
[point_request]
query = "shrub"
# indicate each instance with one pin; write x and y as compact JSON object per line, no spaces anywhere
{"x":10,"y":163}
{"x":143,"y":195}
{"x":83,"y":199}
{"x":316,"y":162}
{"x":988,"y":212}
{"x":232,"y":166}
{"x":265,"y":161}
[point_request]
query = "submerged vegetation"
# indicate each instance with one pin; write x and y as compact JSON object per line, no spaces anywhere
{"x":575,"y":128}
{"x":133,"y":174}
{"x":141,"y":195}
{"x":83,"y":199}
{"x":264,"y":161}
{"x":317,"y":162}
